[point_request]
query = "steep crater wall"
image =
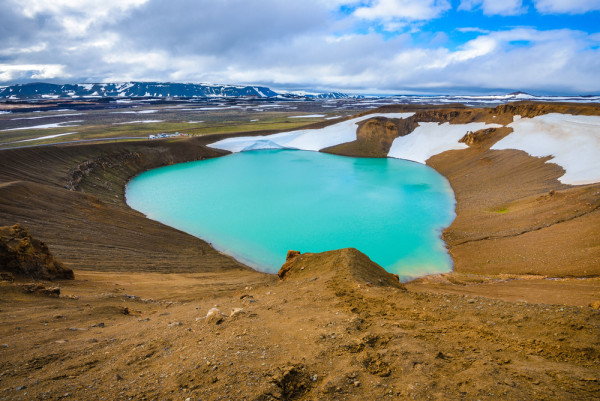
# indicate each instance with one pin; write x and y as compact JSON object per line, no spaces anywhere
{"x":498,"y":228}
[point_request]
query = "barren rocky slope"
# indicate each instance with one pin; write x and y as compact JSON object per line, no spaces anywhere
{"x":72,"y":197}
{"x":511,"y":207}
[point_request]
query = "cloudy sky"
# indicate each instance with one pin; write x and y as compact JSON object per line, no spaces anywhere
{"x":368,"y":46}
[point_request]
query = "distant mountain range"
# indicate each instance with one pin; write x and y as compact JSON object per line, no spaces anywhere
{"x":132,"y":90}
{"x":148,"y":90}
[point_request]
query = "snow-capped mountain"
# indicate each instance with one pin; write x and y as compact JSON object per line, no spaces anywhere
{"x":317,"y":95}
{"x":132,"y":89}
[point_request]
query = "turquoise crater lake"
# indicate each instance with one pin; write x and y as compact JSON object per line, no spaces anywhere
{"x":257,"y":205}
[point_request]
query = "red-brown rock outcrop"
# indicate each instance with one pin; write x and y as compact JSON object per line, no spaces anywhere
{"x":22,"y":255}
{"x":346,"y":264}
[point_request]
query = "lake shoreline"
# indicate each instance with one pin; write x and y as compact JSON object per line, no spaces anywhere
{"x":107,"y":168}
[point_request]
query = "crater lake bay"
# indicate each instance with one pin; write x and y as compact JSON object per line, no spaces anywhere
{"x":257,"y":205}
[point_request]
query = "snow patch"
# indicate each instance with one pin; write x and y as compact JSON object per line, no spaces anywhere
{"x":309,"y":116}
{"x":263,"y":144}
{"x":430,"y":139}
{"x":136,"y":112}
{"x":46,"y":126}
{"x":56,"y":115}
{"x":266,"y":106}
{"x":140,"y":122}
{"x":260,"y":93}
{"x":573,"y":141}
{"x":45,"y":137}
{"x":218,"y":108}
{"x":309,"y":139}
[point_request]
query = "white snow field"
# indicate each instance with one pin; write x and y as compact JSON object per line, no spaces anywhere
{"x":46,"y":137}
{"x":52,"y":116}
{"x":309,"y":116}
{"x":430,"y":139}
{"x":46,"y":126}
{"x":140,"y":122}
{"x":136,"y":112}
{"x":309,"y":139}
{"x":573,"y":141}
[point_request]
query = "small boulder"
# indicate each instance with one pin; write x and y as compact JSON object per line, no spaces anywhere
{"x":5,"y":276}
{"x":36,"y":288}
{"x":595,"y":305}
{"x":237,"y":312}
{"x":214,"y":316}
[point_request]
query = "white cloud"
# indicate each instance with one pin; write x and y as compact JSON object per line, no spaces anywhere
{"x":36,"y":71}
{"x":285,"y":44}
{"x":475,"y":48}
{"x":472,"y":29}
{"x":403,"y":9}
{"x":88,"y":8}
{"x":524,"y":59}
{"x":23,"y":50}
{"x":494,"y":7}
{"x":76,"y":17}
{"x":566,"y":6}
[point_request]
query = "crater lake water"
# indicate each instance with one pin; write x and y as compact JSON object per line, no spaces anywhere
{"x":257,"y":205}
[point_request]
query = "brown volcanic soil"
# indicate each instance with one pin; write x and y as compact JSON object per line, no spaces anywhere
{"x":99,"y":232}
{"x":324,"y":333}
{"x":131,"y":325}
{"x":513,"y":215}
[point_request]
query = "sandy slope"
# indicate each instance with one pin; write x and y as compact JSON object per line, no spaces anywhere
{"x":325,"y":333}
